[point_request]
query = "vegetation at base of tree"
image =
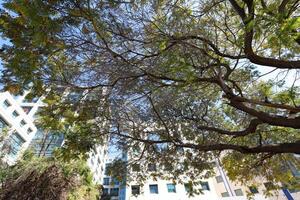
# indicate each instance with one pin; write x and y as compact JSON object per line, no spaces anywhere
{"x":179,"y":83}
{"x":34,"y":177}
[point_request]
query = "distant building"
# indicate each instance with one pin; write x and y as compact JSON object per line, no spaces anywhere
{"x":218,"y":187}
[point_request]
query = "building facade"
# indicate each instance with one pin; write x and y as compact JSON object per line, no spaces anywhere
{"x":19,"y":131}
{"x":218,"y":187}
{"x":17,"y":123}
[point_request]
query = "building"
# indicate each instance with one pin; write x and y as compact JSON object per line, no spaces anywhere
{"x":18,"y":129}
{"x":218,"y":187}
{"x":17,"y":123}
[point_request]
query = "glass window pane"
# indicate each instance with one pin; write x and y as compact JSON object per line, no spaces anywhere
{"x":135,"y":189}
{"x":225,"y":194}
{"x":238,"y":192}
{"x":15,"y":114}
{"x":6,"y":104}
{"x":106,"y":181}
{"x":3,"y":124}
{"x":219,"y":179}
{"x":153,"y":189}
{"x":253,"y":189}
{"x":171,"y":187}
{"x":151,"y":167}
{"x":188,"y":187}
{"x":114,"y":191}
{"x":15,"y":142}
{"x":205,"y":186}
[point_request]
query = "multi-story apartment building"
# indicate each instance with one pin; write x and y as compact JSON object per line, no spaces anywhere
{"x":218,"y":187}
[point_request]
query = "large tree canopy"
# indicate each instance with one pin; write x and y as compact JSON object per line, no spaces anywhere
{"x":181,"y":78}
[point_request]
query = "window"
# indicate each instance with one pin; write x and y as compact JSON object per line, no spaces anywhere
{"x":106,"y":181}
{"x":105,"y":191}
{"x":114,"y":192}
{"x":238,"y":192}
{"x":6,"y":104}
{"x":29,"y":130}
{"x":15,"y":114}
{"x":151,"y":167}
{"x":225,"y":194}
{"x":135,"y":167}
{"x":205,"y":186}
{"x":153,"y":189}
{"x":253,"y":189}
{"x":269,"y":186}
{"x":135,"y":189}
{"x":26,"y":109}
{"x":115,"y":182}
{"x":107,"y":167}
{"x":219,"y":179}
{"x":188,"y":187}
{"x":171,"y":188}
{"x":3,"y":124}
{"x":22,"y":123}
{"x":15,"y":142}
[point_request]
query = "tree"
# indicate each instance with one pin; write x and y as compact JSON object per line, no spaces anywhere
{"x":48,"y":178}
{"x":176,"y":74}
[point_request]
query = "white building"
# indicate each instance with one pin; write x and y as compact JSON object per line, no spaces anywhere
{"x":218,"y":187}
{"x":17,"y":116}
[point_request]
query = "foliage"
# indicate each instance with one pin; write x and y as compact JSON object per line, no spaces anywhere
{"x":47,"y":178}
{"x":182,"y":81}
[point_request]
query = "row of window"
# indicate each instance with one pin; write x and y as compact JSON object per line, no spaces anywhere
{"x":15,"y":114}
{"x":112,"y":191}
{"x":238,"y":192}
{"x":153,"y":188}
{"x":106,"y":181}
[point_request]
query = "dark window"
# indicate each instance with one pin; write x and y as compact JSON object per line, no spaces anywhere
{"x":253,"y":189}
{"x":219,"y":179}
{"x":153,"y":189}
{"x":3,"y":124}
{"x":269,"y":186}
{"x":15,"y":114}
{"x":135,"y":189}
{"x":6,"y":104}
{"x":151,"y":167}
{"x":188,"y":187}
{"x":238,"y":192}
{"x":171,"y":188}
{"x":225,"y":194}
{"x":135,"y":167}
{"x":26,"y":109}
{"x":107,"y":171}
{"x":205,"y":186}
{"x":106,"y":181}
{"x":22,"y":123}
{"x":105,"y":191}
{"x":114,"y":192}
{"x":29,"y":130}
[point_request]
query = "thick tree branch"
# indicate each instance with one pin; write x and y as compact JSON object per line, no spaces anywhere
{"x":250,"y":129}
